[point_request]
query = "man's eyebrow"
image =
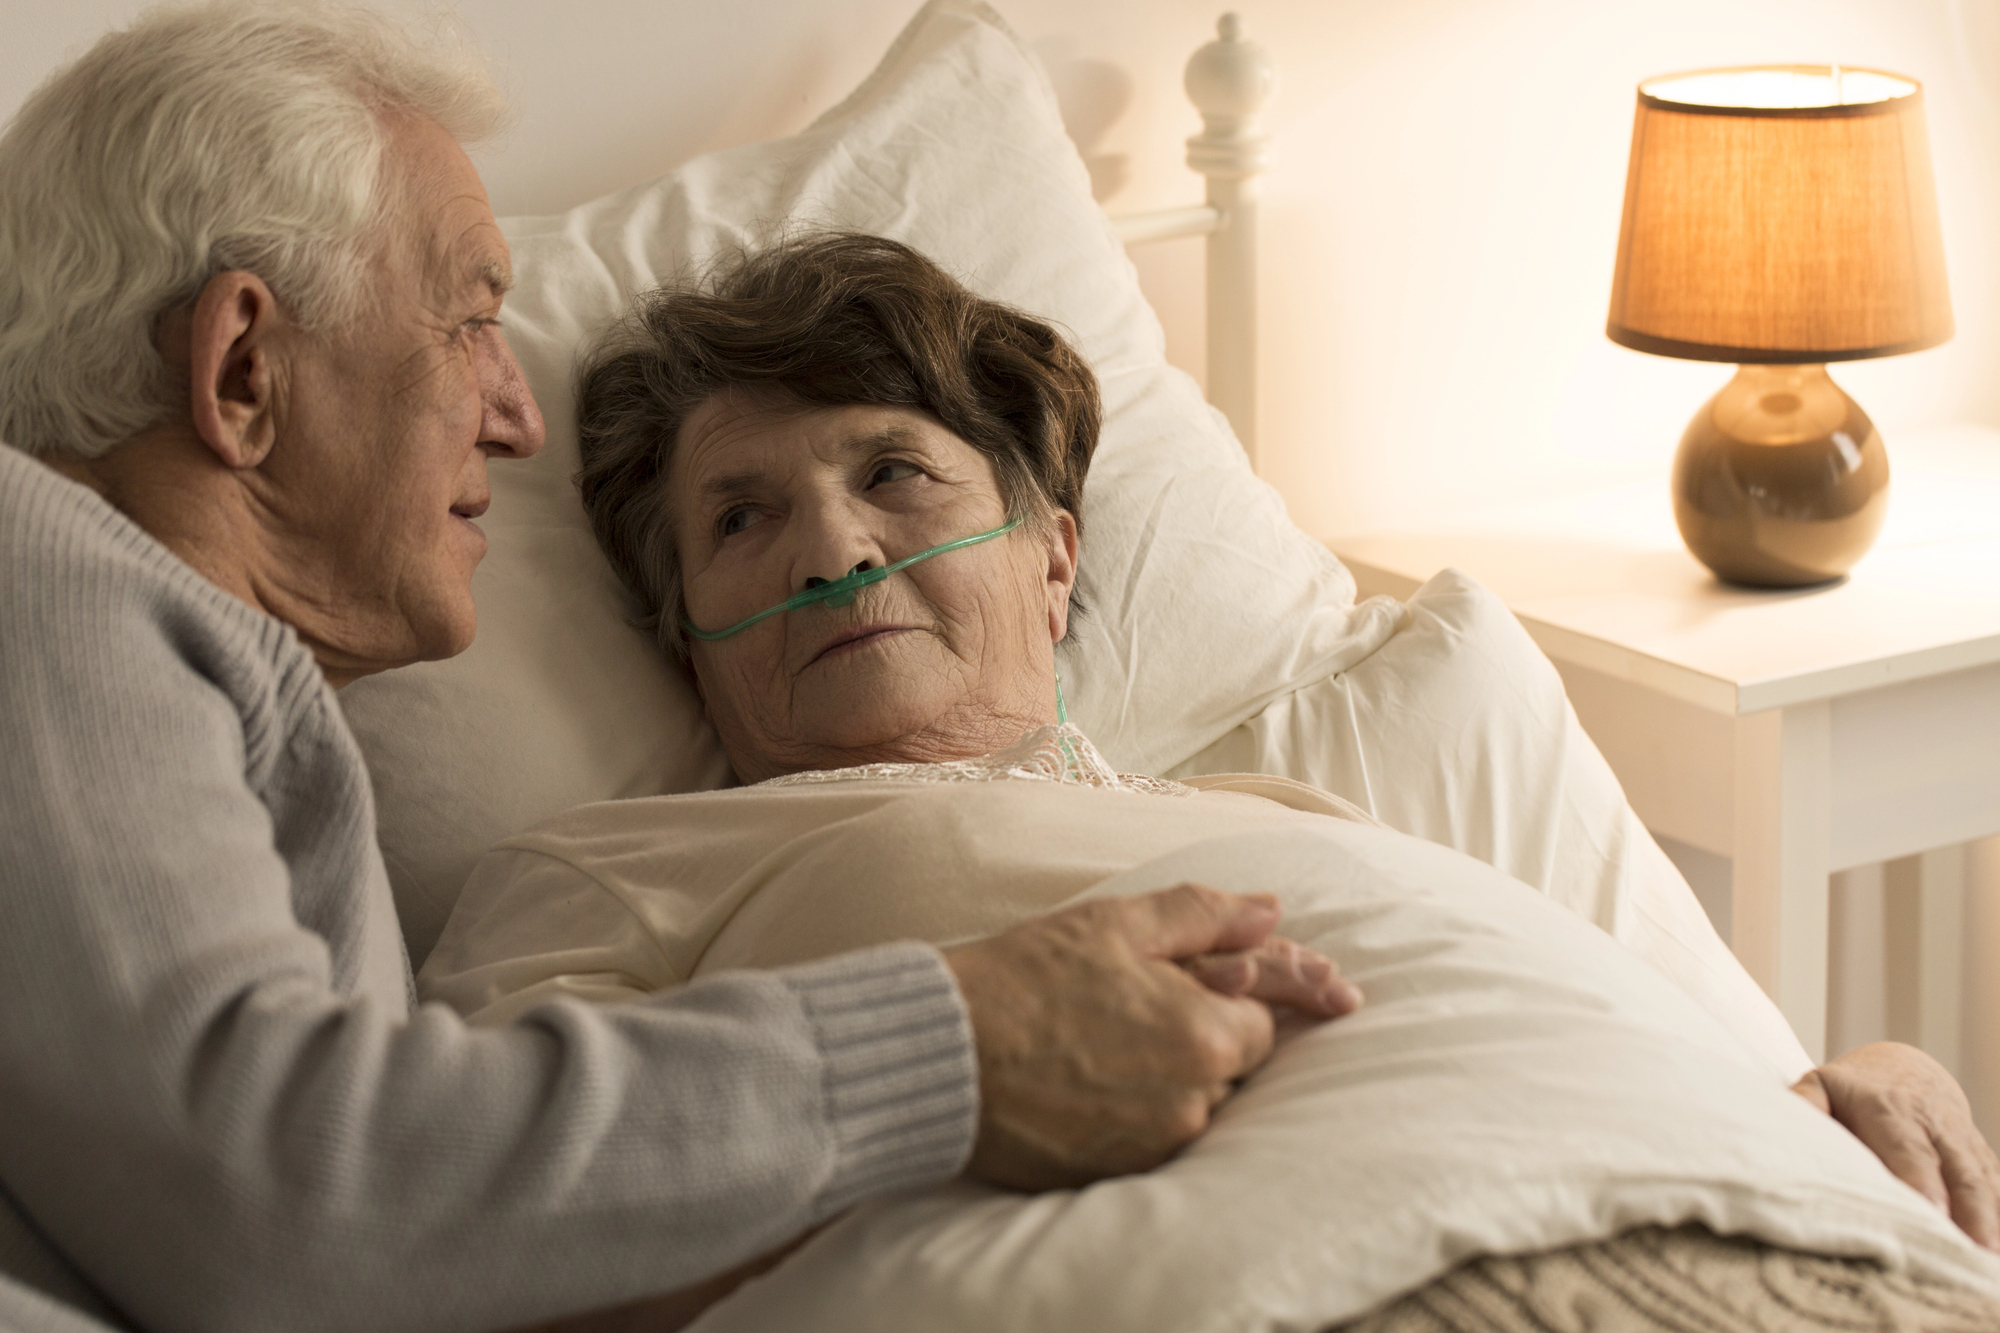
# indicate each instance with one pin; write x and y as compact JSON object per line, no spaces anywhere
{"x":494,"y":274}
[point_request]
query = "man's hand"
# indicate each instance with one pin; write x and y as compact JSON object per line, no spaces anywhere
{"x":1108,"y":1031}
{"x":1909,"y":1110}
{"x":1278,"y":972}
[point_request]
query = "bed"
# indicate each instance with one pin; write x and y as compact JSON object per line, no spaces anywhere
{"x":1556,"y":1093}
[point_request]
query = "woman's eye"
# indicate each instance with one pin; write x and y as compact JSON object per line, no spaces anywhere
{"x":889,"y":472}
{"x":736,"y":520}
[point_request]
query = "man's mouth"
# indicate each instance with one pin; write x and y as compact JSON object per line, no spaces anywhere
{"x":471,"y":509}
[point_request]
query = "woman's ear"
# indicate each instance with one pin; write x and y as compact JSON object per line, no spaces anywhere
{"x":233,"y":335}
{"x":1061,"y":581}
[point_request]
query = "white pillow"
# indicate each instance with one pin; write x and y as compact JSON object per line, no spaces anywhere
{"x":1457,"y":730}
{"x":1205,"y":602}
{"x":1513,"y":1084}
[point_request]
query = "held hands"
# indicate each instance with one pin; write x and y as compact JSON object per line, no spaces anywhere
{"x":1909,"y":1110}
{"x":1107,"y":1032}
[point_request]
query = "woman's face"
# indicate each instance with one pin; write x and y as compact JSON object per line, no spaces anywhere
{"x":950,"y":658}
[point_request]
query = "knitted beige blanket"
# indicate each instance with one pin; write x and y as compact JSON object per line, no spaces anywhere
{"x":1685,"y":1280}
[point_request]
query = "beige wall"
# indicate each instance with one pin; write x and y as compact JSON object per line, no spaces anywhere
{"x":1441,"y":215}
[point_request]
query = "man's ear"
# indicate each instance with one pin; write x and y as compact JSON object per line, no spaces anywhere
{"x":233,"y":342}
{"x":1062,"y":572}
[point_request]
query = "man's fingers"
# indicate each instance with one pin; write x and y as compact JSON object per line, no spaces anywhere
{"x":1231,"y":974}
{"x":1193,"y":919}
{"x":1227,"y":1039}
{"x":1099,"y":1055}
{"x":1279,"y":971}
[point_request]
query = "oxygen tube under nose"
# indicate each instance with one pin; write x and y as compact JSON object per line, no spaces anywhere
{"x":843,"y":590}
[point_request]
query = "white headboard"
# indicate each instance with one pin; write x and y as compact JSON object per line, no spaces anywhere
{"x":1228,"y":80}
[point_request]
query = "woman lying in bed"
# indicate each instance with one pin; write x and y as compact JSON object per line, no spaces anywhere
{"x":848,"y":493}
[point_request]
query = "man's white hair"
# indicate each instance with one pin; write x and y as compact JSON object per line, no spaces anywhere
{"x":201,"y":139}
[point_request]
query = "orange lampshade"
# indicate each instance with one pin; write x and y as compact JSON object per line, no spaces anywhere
{"x":1780,"y":214}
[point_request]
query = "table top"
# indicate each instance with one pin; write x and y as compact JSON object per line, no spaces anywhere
{"x":1603,"y":581}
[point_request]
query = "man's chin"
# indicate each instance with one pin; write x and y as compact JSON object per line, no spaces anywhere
{"x":441,"y":631}
{"x":454,"y":638}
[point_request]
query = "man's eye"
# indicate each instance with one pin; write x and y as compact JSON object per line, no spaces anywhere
{"x":889,"y":472}
{"x":736,"y":520}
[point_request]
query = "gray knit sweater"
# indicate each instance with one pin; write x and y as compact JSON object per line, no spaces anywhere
{"x":219,"y":1108}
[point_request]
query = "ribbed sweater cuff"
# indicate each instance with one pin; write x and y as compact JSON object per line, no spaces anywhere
{"x":902,"y":1082}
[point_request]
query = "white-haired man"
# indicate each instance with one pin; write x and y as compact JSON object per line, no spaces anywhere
{"x":250,"y":377}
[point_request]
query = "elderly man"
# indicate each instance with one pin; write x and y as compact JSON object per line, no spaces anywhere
{"x":251,"y":373}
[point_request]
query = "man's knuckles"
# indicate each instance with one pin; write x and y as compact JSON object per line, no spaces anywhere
{"x":1185,"y":1117}
{"x":1194,"y":918}
{"x":1207,"y":1049}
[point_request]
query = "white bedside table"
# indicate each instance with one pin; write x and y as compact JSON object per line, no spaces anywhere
{"x":1794,"y":732}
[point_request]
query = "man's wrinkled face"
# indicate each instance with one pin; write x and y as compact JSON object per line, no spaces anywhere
{"x":383,"y":428}
{"x":948,"y":658}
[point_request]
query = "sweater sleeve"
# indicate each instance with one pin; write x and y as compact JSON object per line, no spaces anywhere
{"x":216,"y":1123}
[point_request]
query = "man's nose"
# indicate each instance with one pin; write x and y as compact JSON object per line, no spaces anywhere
{"x":510,"y":422}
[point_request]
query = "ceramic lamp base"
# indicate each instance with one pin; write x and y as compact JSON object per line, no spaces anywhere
{"x":1781,"y":480}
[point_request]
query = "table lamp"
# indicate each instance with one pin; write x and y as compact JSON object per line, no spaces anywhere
{"x":1780,"y":217}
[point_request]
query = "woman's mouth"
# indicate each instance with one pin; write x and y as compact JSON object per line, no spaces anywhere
{"x":857,"y":639}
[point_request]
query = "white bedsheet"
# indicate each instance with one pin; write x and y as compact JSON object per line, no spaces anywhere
{"x":1514,"y":1083}
{"x":1456,"y":729}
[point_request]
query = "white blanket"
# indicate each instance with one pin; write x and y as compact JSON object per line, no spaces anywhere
{"x":1515,"y":1083}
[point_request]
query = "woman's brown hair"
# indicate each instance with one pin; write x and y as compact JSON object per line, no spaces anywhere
{"x":831,"y":320}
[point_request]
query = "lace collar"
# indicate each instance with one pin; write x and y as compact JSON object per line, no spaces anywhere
{"x":1047,"y":754}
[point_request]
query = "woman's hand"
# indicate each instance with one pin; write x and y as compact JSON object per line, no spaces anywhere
{"x":1100,"y":1052}
{"x":1907,"y":1108}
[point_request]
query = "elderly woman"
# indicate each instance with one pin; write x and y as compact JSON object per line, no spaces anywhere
{"x":848,"y":493}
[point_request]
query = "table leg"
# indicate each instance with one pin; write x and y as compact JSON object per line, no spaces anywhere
{"x":1924,"y":928}
{"x":1778,"y":892}
{"x":1940,"y":952}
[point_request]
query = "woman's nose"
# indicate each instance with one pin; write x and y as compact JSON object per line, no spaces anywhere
{"x":815,"y":581}
{"x":835,"y":542}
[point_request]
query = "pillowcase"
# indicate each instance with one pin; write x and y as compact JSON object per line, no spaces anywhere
{"x":1457,"y":730}
{"x":1205,"y":602}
